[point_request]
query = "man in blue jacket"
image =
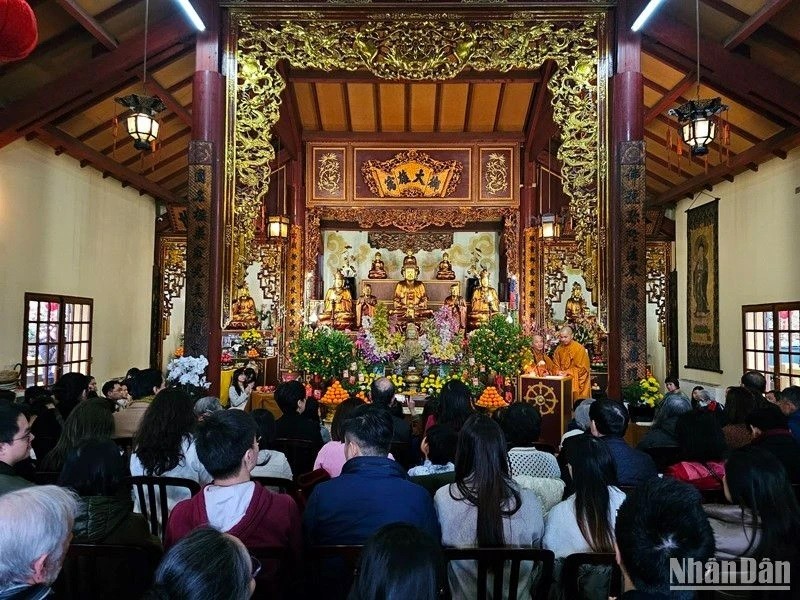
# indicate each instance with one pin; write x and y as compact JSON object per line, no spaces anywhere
{"x":608,"y":421}
{"x":372,"y":490}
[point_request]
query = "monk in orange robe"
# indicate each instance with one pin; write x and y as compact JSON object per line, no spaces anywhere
{"x":572,"y":359}
{"x":543,"y":365}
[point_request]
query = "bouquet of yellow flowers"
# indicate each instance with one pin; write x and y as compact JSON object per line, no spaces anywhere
{"x":251,"y":338}
{"x":646,"y":391}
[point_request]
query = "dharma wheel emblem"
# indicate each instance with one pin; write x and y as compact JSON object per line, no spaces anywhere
{"x":542,"y":397}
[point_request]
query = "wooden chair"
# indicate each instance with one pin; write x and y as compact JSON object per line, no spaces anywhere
{"x":102,"y":571}
{"x":495,"y":559}
{"x":46,"y":477}
{"x":152,"y":495}
{"x":308,"y":481}
{"x":300,"y":453}
{"x":332,"y":570}
{"x":544,"y":447}
{"x":126,"y":445}
{"x":279,"y":576}
{"x":664,"y":457}
{"x":401,"y":451}
{"x":283,"y":486}
{"x":571,"y":569}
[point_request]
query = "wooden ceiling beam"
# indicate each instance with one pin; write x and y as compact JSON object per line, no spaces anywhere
{"x":743,"y":161}
{"x":769,"y":9}
{"x":673,"y":123}
{"x":663,"y":143}
{"x":660,"y":161}
{"x":106,"y":125}
{"x":54,"y":137}
{"x":341,"y":76}
{"x":160,"y":164}
{"x":169,"y":101}
{"x":413,"y":136}
{"x":89,"y":23}
{"x":161,"y":144}
{"x":662,"y":180}
{"x":670,"y":98}
{"x":736,"y":75}
{"x":92,"y":79}
{"x":767,"y":31}
{"x":288,"y":127}
{"x":540,"y":126}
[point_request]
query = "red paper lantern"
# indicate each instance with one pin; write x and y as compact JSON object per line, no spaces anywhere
{"x":18,"y":33}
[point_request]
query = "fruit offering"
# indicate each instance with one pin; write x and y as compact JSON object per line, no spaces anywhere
{"x":491,"y":399}
{"x":335,"y":394}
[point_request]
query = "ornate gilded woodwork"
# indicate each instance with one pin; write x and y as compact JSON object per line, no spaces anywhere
{"x":426,"y":240}
{"x":417,"y":46}
{"x":658,"y":267}
{"x":172,"y":265}
{"x":293,"y":318}
{"x":269,"y":272}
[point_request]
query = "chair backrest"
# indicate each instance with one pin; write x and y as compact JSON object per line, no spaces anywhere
{"x":300,"y":453}
{"x":401,"y":451}
{"x":279,"y":573}
{"x":102,"y":571}
{"x":664,"y":456}
{"x":544,"y":447}
{"x":152,"y":495}
{"x":283,"y":486}
{"x":126,"y":445}
{"x":570,"y":572}
{"x":495,"y":559}
{"x":332,"y":569}
{"x":46,"y":477}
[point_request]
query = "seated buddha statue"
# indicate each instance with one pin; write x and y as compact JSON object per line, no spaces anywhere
{"x":410,"y":297}
{"x":338,"y":311}
{"x":377,"y":271}
{"x":445,"y":268}
{"x":366,"y":303}
{"x":456,"y":303}
{"x":576,"y":309}
{"x":485,"y":303}
{"x":243,"y":310}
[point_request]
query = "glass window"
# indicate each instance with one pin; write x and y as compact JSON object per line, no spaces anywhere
{"x":771,"y":337}
{"x":57,"y":337}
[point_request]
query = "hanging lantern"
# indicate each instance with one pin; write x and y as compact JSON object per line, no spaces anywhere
{"x":141,"y":123}
{"x":18,"y":32}
{"x":698,"y":125}
{"x":277,"y":227}
{"x":549,"y":226}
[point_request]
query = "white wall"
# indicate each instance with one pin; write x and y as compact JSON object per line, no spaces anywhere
{"x":66,"y":230}
{"x":759,"y":219}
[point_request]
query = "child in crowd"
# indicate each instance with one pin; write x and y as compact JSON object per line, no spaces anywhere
{"x":439,"y":448}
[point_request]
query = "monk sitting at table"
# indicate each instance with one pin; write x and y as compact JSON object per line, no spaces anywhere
{"x":571,"y":359}
{"x":543,"y":365}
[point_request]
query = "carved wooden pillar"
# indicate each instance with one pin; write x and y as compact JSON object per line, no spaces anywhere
{"x":627,"y":272}
{"x":202,"y":329}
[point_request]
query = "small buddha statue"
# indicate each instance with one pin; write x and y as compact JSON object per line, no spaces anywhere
{"x":411,"y":354}
{"x":410,"y":297}
{"x":243,"y":310}
{"x":485,"y":302}
{"x":338,"y":311}
{"x":377,"y":271}
{"x":445,"y":268}
{"x":576,"y":309}
{"x":366,"y":303}
{"x":456,"y":303}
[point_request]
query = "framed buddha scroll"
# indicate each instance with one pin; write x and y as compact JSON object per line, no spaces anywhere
{"x":702,"y":290}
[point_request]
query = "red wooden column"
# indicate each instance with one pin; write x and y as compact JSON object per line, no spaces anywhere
{"x":627,"y":342}
{"x":202,"y":327}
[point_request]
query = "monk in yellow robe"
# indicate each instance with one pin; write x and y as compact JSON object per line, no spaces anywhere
{"x":572,"y":359}
{"x":543,"y":365}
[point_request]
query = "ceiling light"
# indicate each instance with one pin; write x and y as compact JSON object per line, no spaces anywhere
{"x":192,"y":14}
{"x":645,"y":14}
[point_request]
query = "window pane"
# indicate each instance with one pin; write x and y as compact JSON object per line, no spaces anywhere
{"x":760,"y":361}
{"x":85,"y":333}
{"x":69,"y":330}
{"x":794,"y":319}
{"x":33,"y":310}
{"x":84,"y":368}
{"x":749,"y":320}
{"x":68,"y":312}
{"x":84,"y":351}
{"x":751,"y":360}
{"x":750,"y":340}
{"x":769,"y":341}
{"x":768,"y":320}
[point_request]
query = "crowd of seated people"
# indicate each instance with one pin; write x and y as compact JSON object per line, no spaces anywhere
{"x":479,"y":482}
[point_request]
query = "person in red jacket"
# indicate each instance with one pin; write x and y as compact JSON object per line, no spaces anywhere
{"x":232,"y":503}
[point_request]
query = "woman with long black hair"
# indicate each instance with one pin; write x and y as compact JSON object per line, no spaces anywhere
{"x":584,"y":522}
{"x":164,"y":444}
{"x":484,"y":507}
{"x":455,"y":406}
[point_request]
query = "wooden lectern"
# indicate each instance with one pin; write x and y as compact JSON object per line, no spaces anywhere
{"x":553,"y":397}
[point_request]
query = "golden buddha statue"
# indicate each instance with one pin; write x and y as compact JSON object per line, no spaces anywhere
{"x":338,"y":307}
{"x":410,"y":297}
{"x":445,"y":268}
{"x":456,"y":303}
{"x":243,"y":310}
{"x":576,"y":309}
{"x":366,"y":303}
{"x":485,"y":303}
{"x":377,"y":271}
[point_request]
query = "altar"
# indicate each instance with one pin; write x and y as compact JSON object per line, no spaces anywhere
{"x":437,"y":290}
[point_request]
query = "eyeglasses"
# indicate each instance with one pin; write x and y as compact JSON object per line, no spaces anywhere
{"x":255,"y":566}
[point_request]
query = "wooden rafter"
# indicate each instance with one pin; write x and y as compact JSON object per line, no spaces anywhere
{"x":89,"y":80}
{"x":540,"y":125}
{"x":769,"y":9}
{"x":669,"y":98}
{"x":288,"y":127}
{"x":743,"y":161}
{"x":738,"y":77}
{"x":767,"y":31}
{"x":661,"y":162}
{"x":412,"y":136}
{"x":169,"y":101}
{"x":316,"y":76}
{"x":89,"y":23}
{"x":57,"y":139}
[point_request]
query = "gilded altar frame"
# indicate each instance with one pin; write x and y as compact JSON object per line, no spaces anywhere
{"x":412,"y":43}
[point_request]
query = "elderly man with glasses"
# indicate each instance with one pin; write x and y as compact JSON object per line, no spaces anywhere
{"x":15,"y":446}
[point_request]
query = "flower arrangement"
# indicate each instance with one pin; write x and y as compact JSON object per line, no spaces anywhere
{"x":500,"y":346}
{"x":440,"y":340}
{"x":251,"y":339}
{"x":323,"y":351}
{"x":645,"y":392}
{"x":188,"y":373}
{"x":376,"y":341}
